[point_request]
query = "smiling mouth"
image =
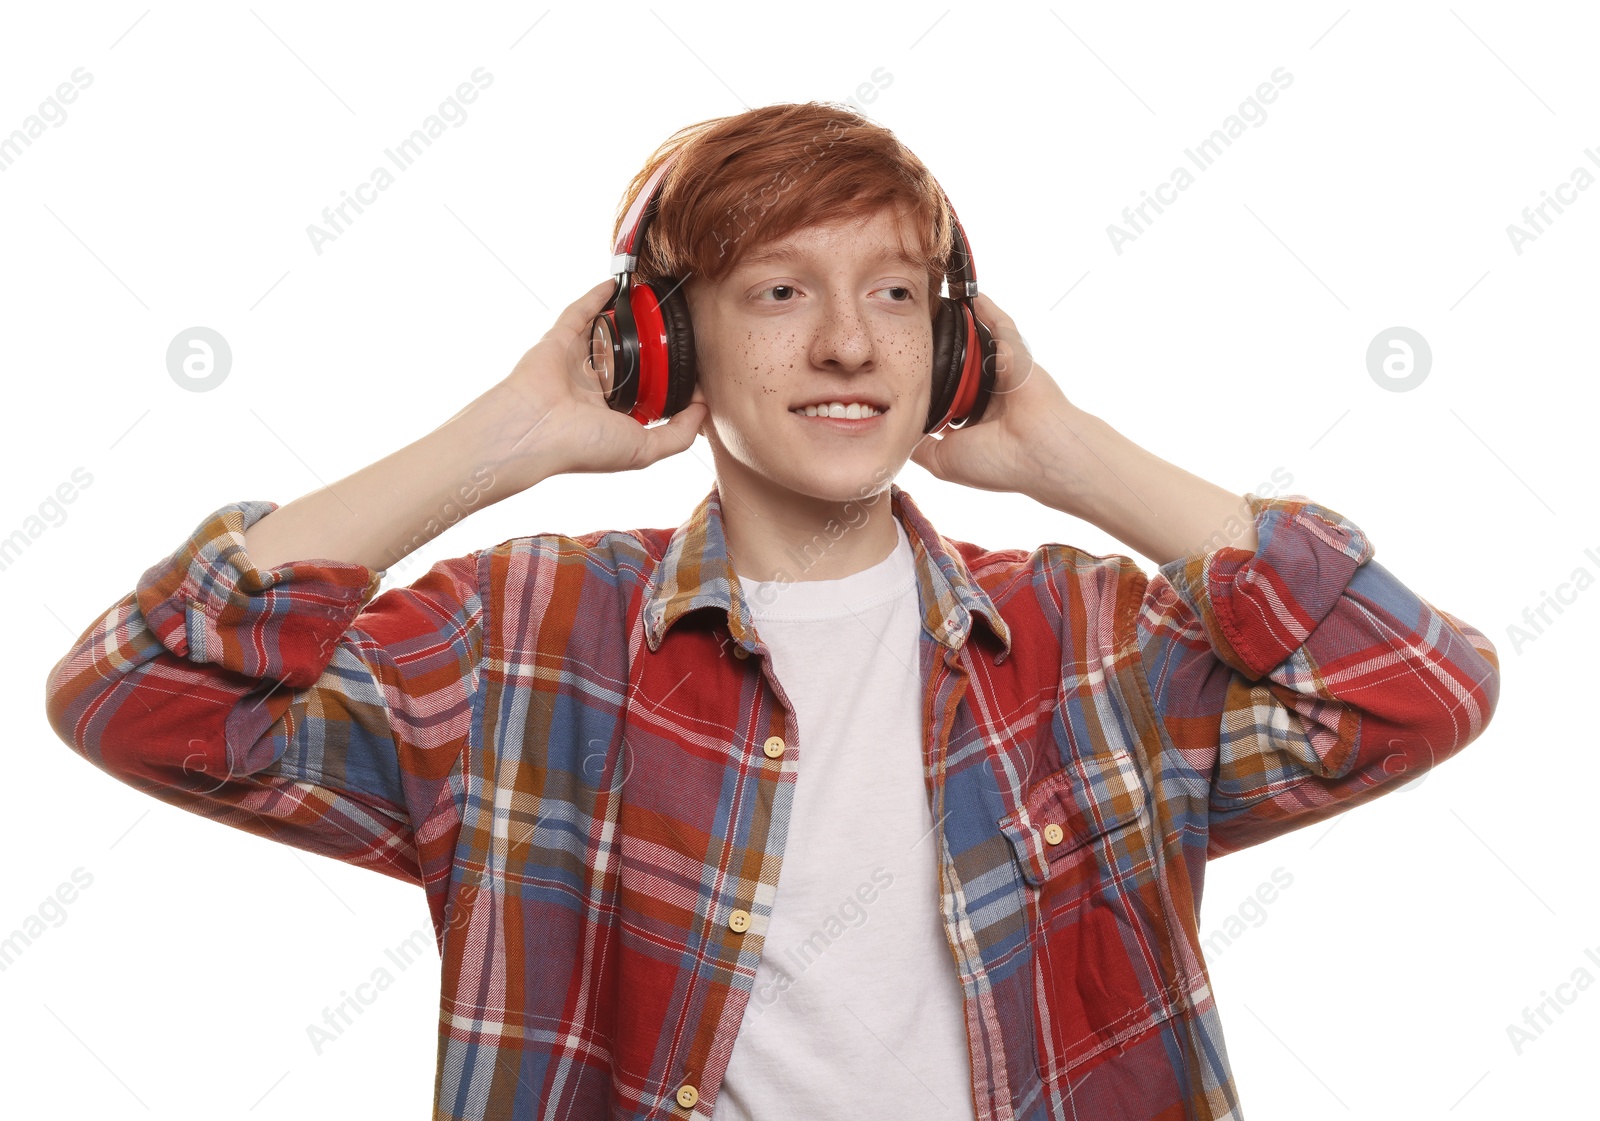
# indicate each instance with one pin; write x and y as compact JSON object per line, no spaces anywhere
{"x":837,"y":411}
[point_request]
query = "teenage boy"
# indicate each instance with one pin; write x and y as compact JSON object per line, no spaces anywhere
{"x":800,"y":809}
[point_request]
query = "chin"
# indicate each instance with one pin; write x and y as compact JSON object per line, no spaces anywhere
{"x":847,"y":475}
{"x":843,"y":482}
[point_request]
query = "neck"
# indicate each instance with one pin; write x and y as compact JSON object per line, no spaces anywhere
{"x":773,"y":533}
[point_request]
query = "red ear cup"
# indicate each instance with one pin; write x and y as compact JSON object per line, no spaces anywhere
{"x":656,"y":330}
{"x":650,"y":329}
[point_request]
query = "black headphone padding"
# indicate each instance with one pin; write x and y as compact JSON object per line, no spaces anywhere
{"x":680,"y":344}
{"x":948,"y":358}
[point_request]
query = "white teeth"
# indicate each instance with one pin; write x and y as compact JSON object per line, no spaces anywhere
{"x":852,"y":411}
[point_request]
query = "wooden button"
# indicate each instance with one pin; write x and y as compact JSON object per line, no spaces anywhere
{"x":1053,"y":834}
{"x":773,"y":747}
{"x":740,"y":652}
{"x":687,"y":1095}
{"x":739,"y":922}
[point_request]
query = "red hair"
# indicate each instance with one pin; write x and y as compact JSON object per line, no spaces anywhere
{"x":743,"y":181}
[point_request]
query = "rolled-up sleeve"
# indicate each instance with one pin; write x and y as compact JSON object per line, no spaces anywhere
{"x":286,"y":702}
{"x":1302,"y":678}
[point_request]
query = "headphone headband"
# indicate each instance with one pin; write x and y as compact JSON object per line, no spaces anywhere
{"x":962,"y":277}
{"x":630,"y":237}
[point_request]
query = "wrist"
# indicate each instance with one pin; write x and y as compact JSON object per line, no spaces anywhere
{"x":499,"y":431}
{"x":1071,"y":475}
{"x":1097,"y":474}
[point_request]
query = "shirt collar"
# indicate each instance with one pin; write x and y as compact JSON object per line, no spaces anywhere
{"x":695,"y":572}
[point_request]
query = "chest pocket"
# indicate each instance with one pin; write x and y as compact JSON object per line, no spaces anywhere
{"x":1081,"y":837}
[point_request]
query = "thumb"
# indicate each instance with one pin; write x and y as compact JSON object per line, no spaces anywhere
{"x":677,"y":434}
{"x":926,"y":455}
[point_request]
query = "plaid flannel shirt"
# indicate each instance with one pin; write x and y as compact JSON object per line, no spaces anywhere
{"x":577,"y":747}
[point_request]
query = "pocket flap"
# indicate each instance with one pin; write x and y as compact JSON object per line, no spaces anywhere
{"x":1088,"y":797}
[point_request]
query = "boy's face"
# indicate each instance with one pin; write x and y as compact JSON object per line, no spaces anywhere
{"x":829,"y":312}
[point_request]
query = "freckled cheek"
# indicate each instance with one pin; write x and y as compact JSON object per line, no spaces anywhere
{"x":753,"y":360}
{"x":767,"y":360}
{"x":912,"y":355}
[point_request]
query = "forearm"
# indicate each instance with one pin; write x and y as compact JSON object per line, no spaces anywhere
{"x":386,"y":510}
{"x":1091,"y":471}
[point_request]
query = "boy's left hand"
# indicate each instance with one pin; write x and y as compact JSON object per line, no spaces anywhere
{"x":1003,"y":450}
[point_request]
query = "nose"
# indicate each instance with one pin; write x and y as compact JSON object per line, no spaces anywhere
{"x":844,"y":337}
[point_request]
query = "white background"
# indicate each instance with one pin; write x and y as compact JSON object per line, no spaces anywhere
{"x":1229,"y":338}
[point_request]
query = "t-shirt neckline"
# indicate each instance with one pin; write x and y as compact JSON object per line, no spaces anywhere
{"x":889,"y":579}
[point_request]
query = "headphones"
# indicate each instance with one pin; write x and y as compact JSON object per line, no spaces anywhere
{"x":642,"y":345}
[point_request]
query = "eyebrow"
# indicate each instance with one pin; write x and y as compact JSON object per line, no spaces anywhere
{"x":781,"y":253}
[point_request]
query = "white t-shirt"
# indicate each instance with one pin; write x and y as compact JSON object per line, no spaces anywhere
{"x":857,"y":1008}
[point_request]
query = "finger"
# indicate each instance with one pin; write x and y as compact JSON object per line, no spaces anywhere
{"x":999,"y":323}
{"x":677,"y":434}
{"x":576,"y":316}
{"x":991,"y":310}
{"x":926,"y":455}
{"x":570,"y":333}
{"x":1015,"y":359}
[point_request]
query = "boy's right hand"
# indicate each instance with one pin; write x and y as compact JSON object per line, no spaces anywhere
{"x":559,"y":421}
